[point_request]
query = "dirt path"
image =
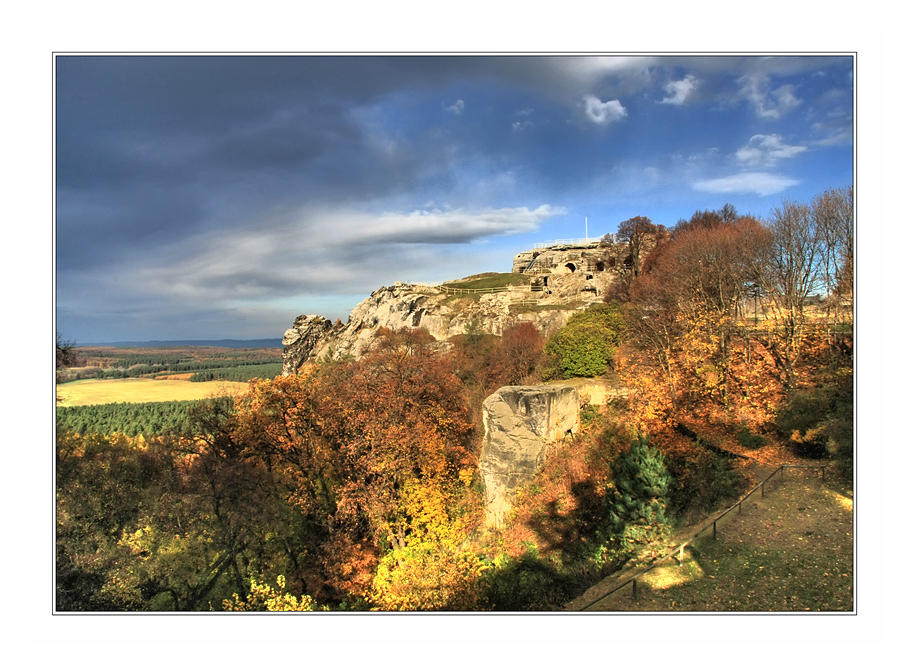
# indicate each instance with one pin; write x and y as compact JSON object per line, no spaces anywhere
{"x":791,"y":550}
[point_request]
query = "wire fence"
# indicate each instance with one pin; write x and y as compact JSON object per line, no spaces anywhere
{"x":568,"y":242}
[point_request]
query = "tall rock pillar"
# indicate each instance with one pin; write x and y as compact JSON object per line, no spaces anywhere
{"x":520,"y":423}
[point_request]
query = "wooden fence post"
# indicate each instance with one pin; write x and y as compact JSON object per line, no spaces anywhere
{"x":634,"y":589}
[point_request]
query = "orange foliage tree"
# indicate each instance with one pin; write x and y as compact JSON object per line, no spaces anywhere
{"x":358,"y":444}
{"x":690,"y":349}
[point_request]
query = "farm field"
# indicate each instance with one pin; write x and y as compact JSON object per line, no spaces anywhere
{"x":141,"y":390}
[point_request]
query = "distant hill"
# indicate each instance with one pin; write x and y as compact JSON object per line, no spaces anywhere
{"x":224,"y":342}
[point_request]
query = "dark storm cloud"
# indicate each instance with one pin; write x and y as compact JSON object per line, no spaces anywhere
{"x":212,"y":182}
{"x":154,"y":149}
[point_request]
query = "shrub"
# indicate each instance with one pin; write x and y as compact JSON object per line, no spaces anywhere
{"x":818,"y":422}
{"x":591,"y":416}
{"x":528,"y":583}
{"x":263,"y":597}
{"x":587,"y":344}
{"x":750,"y":440}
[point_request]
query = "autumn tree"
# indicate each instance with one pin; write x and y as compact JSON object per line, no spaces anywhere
{"x":685,"y":316}
{"x":789,"y":267}
{"x":516,"y":358}
{"x":638,"y":232}
{"x":432,"y":567}
{"x":355,"y":442}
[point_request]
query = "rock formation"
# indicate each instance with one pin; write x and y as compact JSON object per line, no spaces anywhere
{"x":564,"y":279}
{"x":300,"y":340}
{"x":443,"y":314}
{"x":520,"y":424}
{"x":586,"y":270}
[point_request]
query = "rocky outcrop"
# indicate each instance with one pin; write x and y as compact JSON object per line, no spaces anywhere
{"x":443,"y":314}
{"x":307,"y":333}
{"x":564,"y":278}
{"x":520,"y":424}
{"x":583,"y":272}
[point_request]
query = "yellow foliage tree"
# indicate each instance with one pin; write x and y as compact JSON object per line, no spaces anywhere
{"x":263,"y":597}
{"x":432,"y":568}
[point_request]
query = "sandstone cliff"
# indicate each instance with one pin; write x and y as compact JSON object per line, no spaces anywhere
{"x":520,"y":424}
{"x":442,"y":313}
{"x":562,"y":280}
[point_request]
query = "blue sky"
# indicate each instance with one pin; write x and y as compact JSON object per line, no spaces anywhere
{"x":220,"y":197}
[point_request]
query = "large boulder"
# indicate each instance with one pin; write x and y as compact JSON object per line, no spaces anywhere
{"x":521,"y":423}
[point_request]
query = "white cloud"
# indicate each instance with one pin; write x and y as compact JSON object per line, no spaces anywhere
{"x":603,"y":113}
{"x":757,"y":182}
{"x":328,"y":252}
{"x":835,"y":131}
{"x":435,"y":226}
{"x":679,"y":91}
{"x":457,"y":108}
{"x":766,"y":150}
{"x":517,"y":126}
{"x":785,"y":98}
{"x":767,"y":103}
{"x":586,"y":70}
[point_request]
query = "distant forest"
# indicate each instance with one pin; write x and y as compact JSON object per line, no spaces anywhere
{"x":131,"y":419}
{"x":205,"y":364}
{"x":254,"y":343}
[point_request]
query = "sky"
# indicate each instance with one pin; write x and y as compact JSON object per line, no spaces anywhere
{"x":204,"y":197}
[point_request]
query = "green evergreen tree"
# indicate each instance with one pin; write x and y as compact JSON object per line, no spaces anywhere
{"x":638,"y":502}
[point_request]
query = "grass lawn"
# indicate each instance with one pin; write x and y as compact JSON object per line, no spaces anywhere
{"x":139,"y":390}
{"x":492,"y":280}
{"x":790,"y":551}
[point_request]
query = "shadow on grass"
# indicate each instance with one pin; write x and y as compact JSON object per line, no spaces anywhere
{"x":568,"y":564}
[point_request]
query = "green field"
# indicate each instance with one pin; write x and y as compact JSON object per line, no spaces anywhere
{"x":138,"y":390}
{"x":491,"y":281}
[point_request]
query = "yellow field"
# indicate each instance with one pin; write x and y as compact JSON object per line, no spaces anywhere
{"x":138,"y":390}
